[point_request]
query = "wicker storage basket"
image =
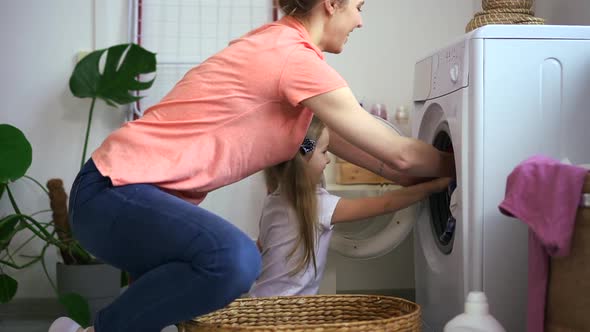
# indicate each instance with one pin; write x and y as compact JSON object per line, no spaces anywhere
{"x":506,"y":4}
{"x":504,"y":12}
{"x":318,"y":313}
{"x":568,"y":304}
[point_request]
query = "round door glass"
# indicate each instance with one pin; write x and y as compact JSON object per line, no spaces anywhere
{"x":442,"y":222}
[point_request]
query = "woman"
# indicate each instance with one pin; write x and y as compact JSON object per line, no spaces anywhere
{"x":134,"y":204}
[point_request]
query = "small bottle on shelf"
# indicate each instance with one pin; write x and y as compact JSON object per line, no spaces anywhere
{"x":402,"y":120}
{"x":379,"y":110}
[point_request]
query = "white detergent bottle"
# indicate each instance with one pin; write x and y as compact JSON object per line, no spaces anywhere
{"x":476,"y":318}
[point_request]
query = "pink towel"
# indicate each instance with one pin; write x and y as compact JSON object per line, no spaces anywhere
{"x":545,"y":195}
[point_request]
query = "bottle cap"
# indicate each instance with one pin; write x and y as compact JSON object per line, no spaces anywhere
{"x":476,"y":304}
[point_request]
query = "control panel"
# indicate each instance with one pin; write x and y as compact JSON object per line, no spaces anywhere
{"x":449,"y":70}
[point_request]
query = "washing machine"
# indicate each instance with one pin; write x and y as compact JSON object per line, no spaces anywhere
{"x":495,"y":97}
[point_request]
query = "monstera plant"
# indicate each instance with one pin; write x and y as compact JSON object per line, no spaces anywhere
{"x":124,"y":63}
{"x":112,"y":75}
{"x":16,"y":154}
{"x":116,"y":83}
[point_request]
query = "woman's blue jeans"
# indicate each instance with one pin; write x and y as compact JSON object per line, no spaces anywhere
{"x":184,"y":260}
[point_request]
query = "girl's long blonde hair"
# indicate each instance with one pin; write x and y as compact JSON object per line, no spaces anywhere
{"x":299,"y":188}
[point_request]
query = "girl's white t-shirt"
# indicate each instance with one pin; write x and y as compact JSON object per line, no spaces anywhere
{"x":279,"y":229}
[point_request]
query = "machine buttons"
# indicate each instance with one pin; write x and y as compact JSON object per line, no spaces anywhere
{"x":454,"y":72}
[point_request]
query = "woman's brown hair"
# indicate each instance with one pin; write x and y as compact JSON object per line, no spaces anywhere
{"x":299,"y":8}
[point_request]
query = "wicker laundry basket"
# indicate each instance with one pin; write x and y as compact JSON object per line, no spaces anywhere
{"x":318,"y":313}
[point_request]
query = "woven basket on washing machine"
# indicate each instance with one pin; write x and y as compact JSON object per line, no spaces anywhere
{"x":504,"y":12}
{"x":318,"y":313}
{"x":506,"y":4}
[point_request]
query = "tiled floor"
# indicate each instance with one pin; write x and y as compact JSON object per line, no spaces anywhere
{"x":34,"y":315}
{"x":24,"y":326}
{"x":40,"y":326}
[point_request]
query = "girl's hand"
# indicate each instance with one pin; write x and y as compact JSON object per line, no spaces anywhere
{"x":440,"y":184}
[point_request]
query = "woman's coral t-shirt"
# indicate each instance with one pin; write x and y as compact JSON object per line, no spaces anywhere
{"x":233,"y":115}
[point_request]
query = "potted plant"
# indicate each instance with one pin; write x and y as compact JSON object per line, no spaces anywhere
{"x":115,"y":83}
{"x":16,"y":150}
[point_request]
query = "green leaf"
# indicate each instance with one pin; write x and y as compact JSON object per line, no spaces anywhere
{"x":77,"y":308}
{"x":8,"y":287}
{"x":124,"y":63}
{"x":16,"y":153}
{"x":7,"y":229}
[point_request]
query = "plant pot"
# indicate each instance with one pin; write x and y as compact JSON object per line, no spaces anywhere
{"x":98,"y":283}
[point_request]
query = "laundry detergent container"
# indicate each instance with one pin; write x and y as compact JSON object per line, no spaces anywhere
{"x":325,"y":313}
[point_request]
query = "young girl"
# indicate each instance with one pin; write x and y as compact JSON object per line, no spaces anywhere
{"x":298,"y":216}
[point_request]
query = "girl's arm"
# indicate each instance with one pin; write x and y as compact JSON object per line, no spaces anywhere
{"x":360,"y":208}
{"x":341,"y":112}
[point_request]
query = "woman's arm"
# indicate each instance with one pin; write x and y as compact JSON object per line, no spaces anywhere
{"x":360,"y":208}
{"x":342,"y":149}
{"x":340,"y":111}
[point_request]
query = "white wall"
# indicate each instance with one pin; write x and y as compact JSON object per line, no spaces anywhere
{"x":378,"y":60}
{"x":568,"y":12}
{"x":39,"y":42}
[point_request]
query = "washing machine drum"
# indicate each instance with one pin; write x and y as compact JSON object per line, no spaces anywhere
{"x":376,"y":236}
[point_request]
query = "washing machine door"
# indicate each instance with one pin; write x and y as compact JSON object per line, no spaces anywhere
{"x":439,"y":248}
{"x":372,"y":237}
